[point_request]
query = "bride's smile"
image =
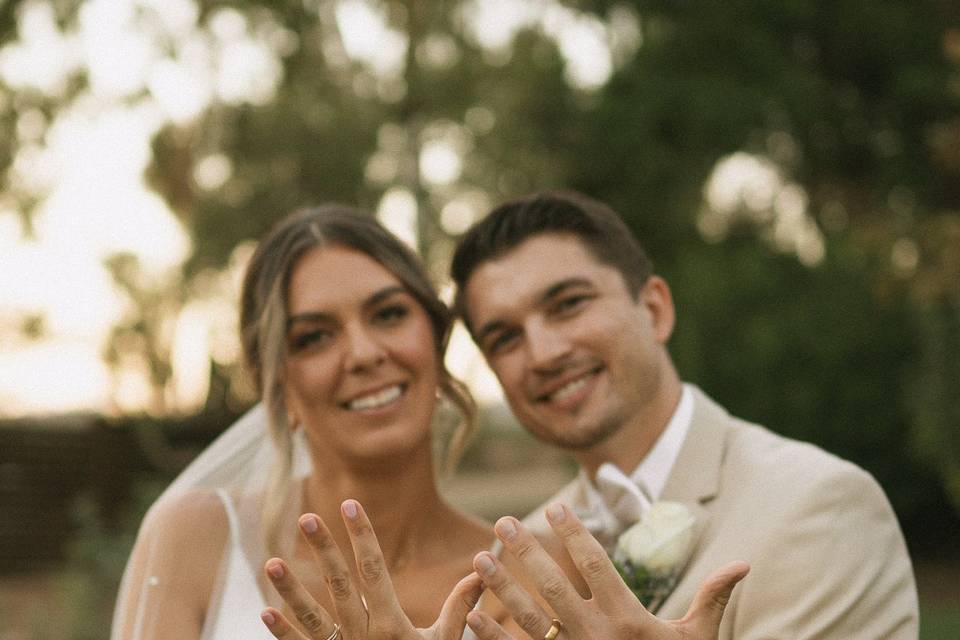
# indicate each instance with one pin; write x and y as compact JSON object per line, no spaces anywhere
{"x":361,"y":371}
{"x":376,"y":399}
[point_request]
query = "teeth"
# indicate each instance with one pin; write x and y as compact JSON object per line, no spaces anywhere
{"x":375,"y":400}
{"x":570,"y":388}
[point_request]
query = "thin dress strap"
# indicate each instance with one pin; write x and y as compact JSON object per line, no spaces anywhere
{"x":231,"y":512}
{"x":235,"y":614}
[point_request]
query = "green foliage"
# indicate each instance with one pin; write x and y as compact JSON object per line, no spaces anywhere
{"x":856,"y":107}
{"x":636,"y":579}
{"x":939,"y":623}
{"x":933,"y":397}
{"x":811,"y":353}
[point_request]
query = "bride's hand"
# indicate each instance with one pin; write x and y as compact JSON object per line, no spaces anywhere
{"x":386,"y":620}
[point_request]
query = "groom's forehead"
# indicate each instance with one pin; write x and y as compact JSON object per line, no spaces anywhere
{"x":525,"y":274}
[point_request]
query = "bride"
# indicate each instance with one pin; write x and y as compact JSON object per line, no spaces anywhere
{"x":345,"y":338}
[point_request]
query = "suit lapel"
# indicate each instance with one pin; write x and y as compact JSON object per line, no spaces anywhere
{"x":695,"y":477}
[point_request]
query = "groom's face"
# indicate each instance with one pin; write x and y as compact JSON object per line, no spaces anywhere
{"x":577,"y":355}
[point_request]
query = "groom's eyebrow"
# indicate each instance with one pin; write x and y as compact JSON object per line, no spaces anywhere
{"x":561,"y":287}
{"x":551,"y":292}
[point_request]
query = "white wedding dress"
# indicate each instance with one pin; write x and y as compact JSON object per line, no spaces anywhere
{"x":234,"y":465}
{"x":236,"y":614}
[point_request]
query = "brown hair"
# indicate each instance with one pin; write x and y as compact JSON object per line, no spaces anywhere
{"x":596,"y":225}
{"x":263,"y":320}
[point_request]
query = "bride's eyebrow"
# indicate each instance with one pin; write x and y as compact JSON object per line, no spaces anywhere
{"x":382,"y":295}
{"x":316,"y":317}
{"x":310,"y":317}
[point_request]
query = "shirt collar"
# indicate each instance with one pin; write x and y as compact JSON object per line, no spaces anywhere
{"x":655,"y":468}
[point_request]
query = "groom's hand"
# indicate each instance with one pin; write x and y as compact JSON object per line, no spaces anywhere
{"x":612,"y":612}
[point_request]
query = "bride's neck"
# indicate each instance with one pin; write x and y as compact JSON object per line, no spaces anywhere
{"x":400,"y":498}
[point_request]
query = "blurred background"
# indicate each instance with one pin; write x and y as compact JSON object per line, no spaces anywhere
{"x":793,"y":167}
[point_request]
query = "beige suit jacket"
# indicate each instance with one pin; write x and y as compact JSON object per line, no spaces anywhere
{"x":827,"y":556}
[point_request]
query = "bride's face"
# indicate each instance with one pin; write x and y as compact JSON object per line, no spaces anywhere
{"x":361,"y":367}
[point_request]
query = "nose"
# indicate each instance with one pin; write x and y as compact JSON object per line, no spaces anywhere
{"x":363,"y":350}
{"x":547,"y":347}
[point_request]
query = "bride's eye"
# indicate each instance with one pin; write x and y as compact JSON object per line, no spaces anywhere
{"x":391,"y":314}
{"x":316,"y":337}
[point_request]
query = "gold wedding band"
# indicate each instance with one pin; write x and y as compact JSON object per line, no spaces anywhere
{"x":335,"y":634}
{"x":554,"y":631}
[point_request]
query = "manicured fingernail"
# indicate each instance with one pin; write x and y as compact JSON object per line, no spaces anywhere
{"x":349,"y":508}
{"x":506,"y":528}
{"x":485,"y":564}
{"x":268,"y":618}
{"x":555,"y":513}
{"x":275,"y":569}
{"x":475,"y":620}
{"x":309,"y":523}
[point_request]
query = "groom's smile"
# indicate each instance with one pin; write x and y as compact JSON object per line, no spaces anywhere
{"x":577,"y":355}
{"x":569,"y":392}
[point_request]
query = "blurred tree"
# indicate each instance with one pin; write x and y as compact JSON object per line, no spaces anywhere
{"x":856,"y":113}
{"x":794,"y":167}
{"x":418,"y":121}
{"x":341,"y":129}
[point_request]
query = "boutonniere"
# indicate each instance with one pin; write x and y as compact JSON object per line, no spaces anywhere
{"x":651,"y":554}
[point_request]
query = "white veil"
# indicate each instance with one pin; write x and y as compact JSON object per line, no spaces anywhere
{"x":205,"y":534}
{"x":213,"y":507}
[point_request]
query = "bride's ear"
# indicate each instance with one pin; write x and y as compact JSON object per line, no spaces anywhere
{"x":293,"y":419}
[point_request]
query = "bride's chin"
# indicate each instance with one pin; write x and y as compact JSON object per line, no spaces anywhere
{"x":389,"y":446}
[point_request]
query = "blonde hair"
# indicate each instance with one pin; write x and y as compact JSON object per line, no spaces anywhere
{"x":263,"y":323}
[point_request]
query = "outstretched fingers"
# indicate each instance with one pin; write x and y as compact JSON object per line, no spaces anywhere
{"x":382,"y":602}
{"x":592,"y":562}
{"x":279,"y":626}
{"x":550,"y":580}
{"x":705,"y":612}
{"x":461,"y":601}
{"x":313,"y":617}
{"x":485,"y":627}
{"x":521,"y":606}
{"x":336,"y":573}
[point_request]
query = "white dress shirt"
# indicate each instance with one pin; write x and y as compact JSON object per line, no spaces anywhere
{"x":606,"y":520}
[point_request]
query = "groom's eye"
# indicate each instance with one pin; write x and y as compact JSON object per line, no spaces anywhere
{"x":502,"y":341}
{"x":570,"y":304}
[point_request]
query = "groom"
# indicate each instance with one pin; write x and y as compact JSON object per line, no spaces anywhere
{"x":562,"y":301}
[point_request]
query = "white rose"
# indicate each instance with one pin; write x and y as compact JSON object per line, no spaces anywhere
{"x":661,"y":540}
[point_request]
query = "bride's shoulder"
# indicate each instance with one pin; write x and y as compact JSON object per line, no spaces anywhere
{"x":178,"y":554}
{"x":182,"y":517}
